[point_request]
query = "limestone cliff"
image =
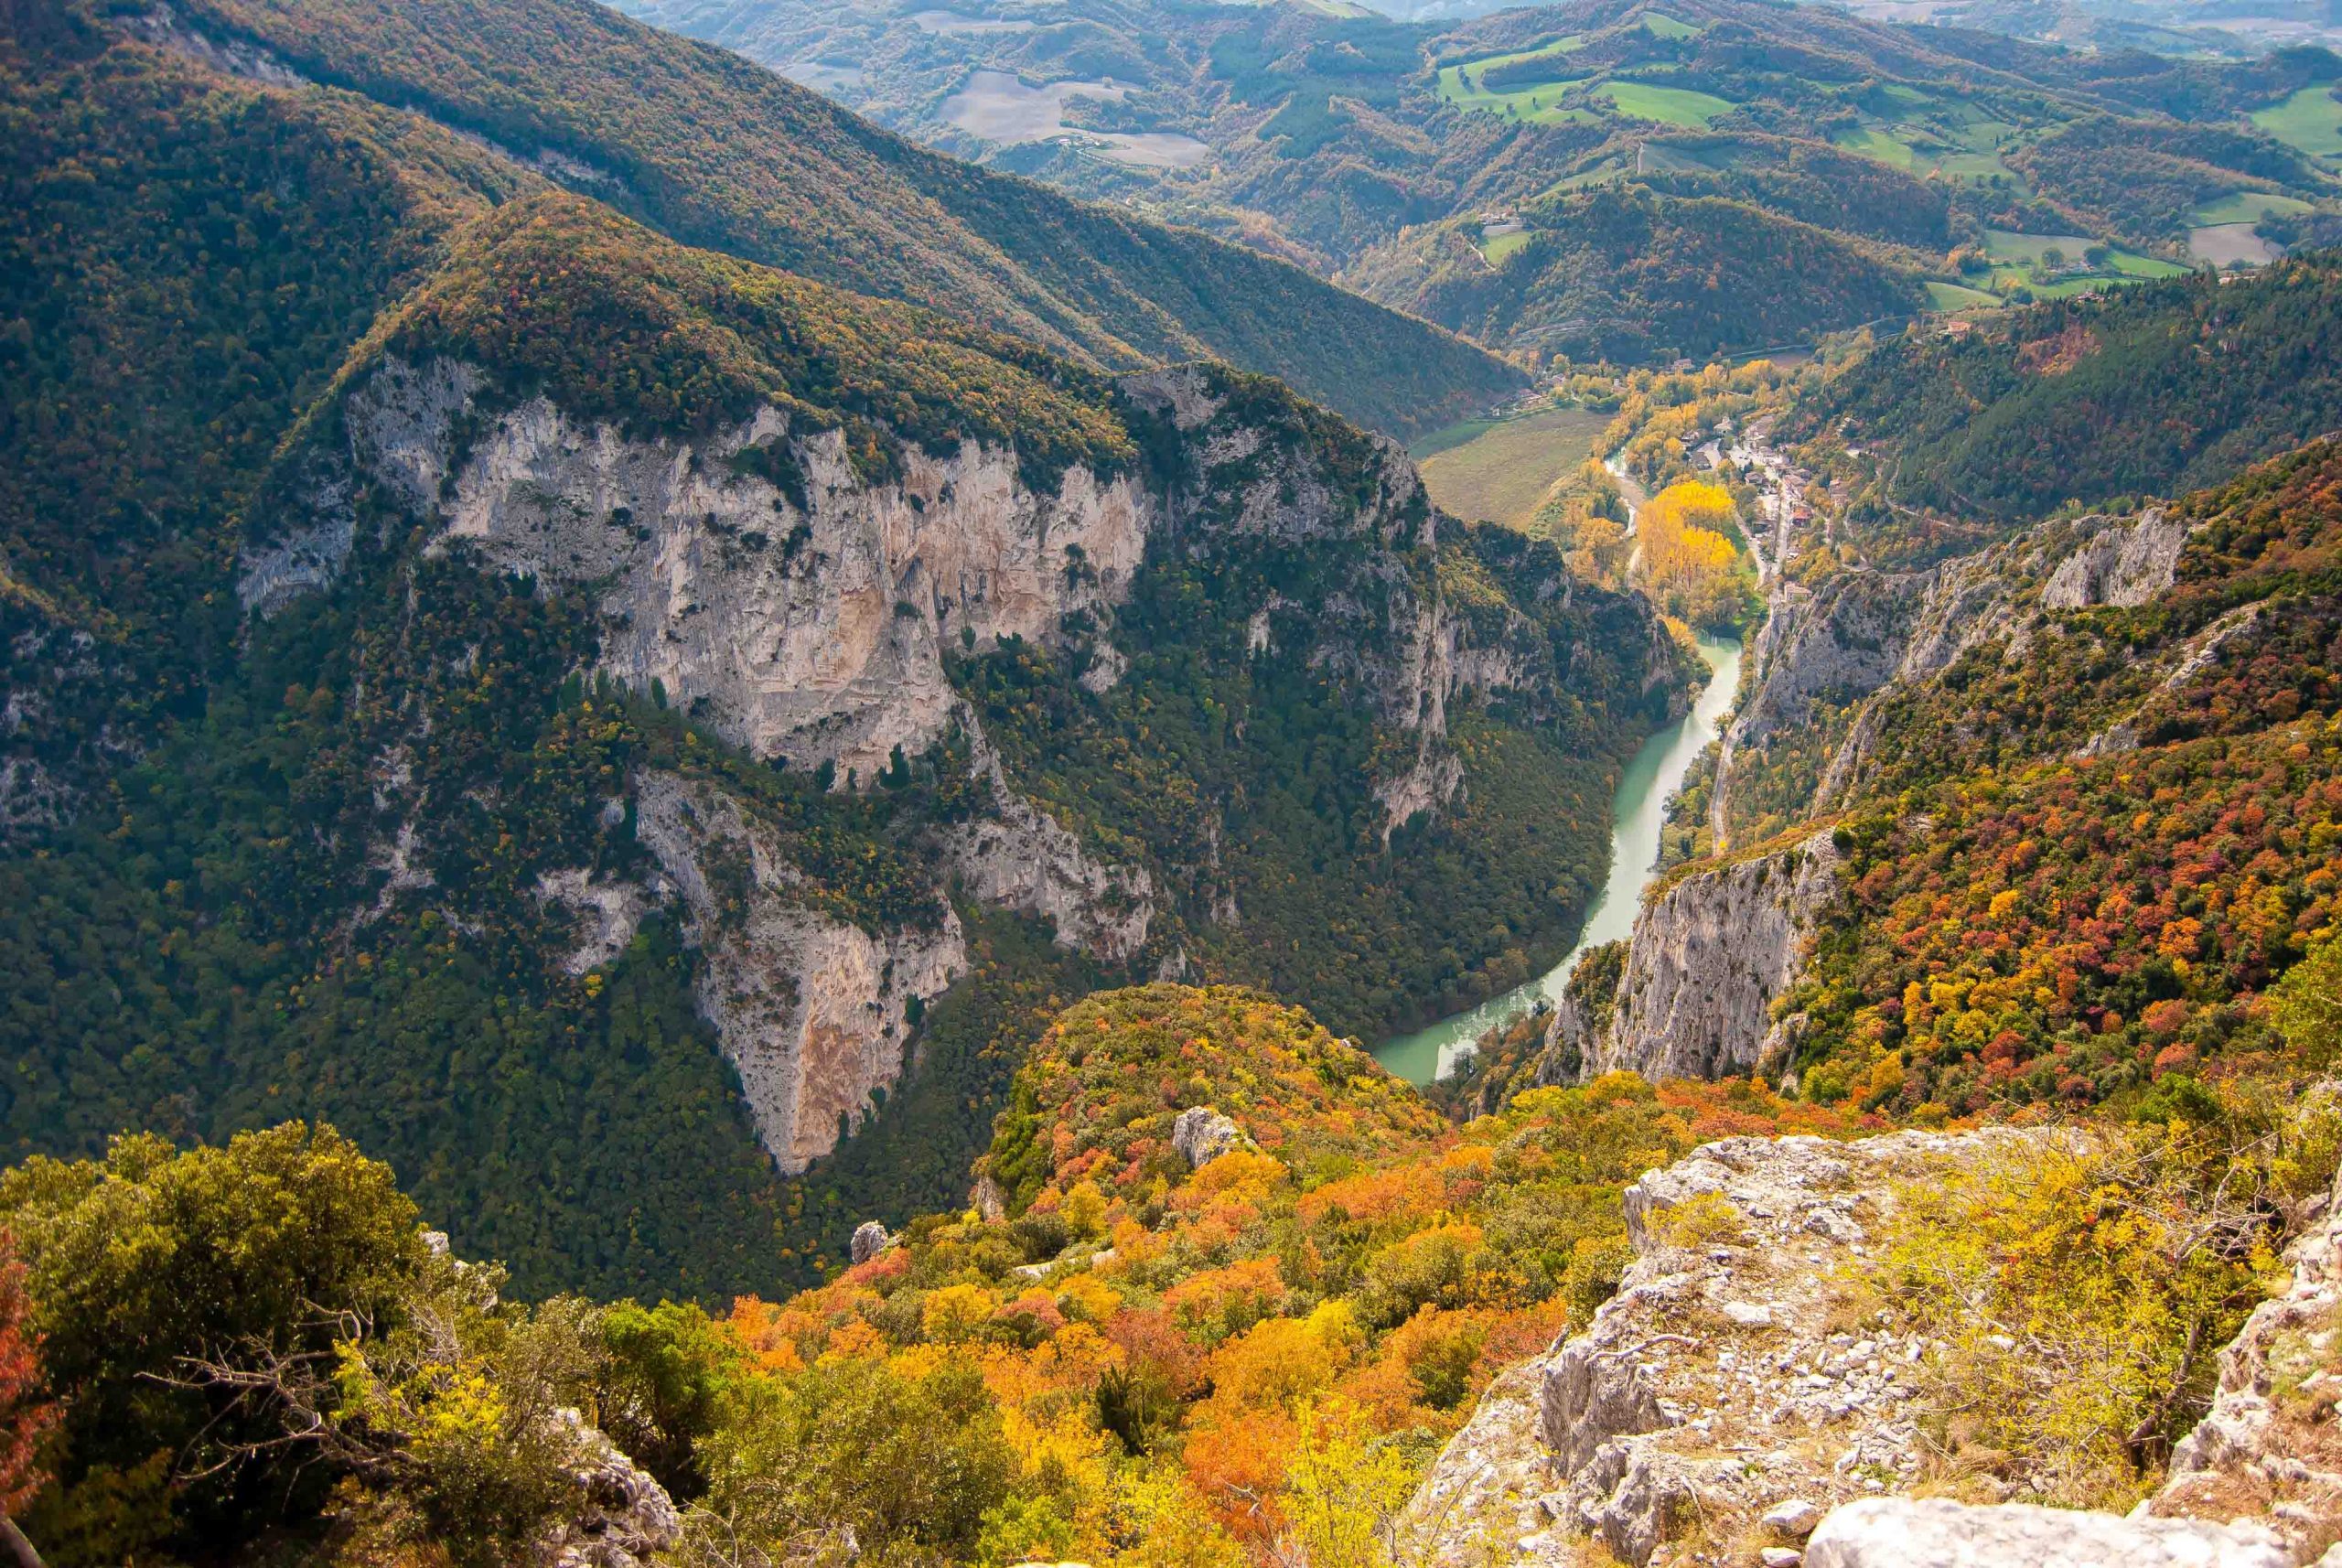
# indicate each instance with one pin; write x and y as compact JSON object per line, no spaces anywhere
{"x":1803,"y":734}
{"x":814,"y":1012}
{"x":805,"y":603}
{"x":1709,"y":954}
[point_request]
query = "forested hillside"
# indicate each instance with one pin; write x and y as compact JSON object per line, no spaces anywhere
{"x":718,"y":153}
{"x":341,"y":785}
{"x":2149,"y":391}
{"x":1634,"y":275}
{"x":2131,"y":815}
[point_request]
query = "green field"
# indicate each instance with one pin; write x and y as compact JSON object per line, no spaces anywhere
{"x":1497,"y":470}
{"x":1957,"y":297}
{"x":1668,"y":105}
{"x":1660,"y":26}
{"x":2310,"y":120}
{"x":2131,"y":264}
{"x":1534,"y":104}
{"x":2245,"y":207}
{"x":1874,"y":142}
{"x":2004,"y":245}
{"x":1503,"y":245}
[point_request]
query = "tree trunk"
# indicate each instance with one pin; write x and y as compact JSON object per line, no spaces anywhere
{"x":20,"y":1551}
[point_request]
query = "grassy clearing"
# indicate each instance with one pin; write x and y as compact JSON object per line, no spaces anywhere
{"x":1958,"y":296}
{"x":1874,"y":142}
{"x":1496,"y":248}
{"x":2004,"y":245}
{"x":2310,"y":120}
{"x":1499,"y":471}
{"x":1660,"y":26}
{"x":1668,"y":105}
{"x":1460,"y":85}
{"x":2132,"y":265}
{"x":2245,"y":207}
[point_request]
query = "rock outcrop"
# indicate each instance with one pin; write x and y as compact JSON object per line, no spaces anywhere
{"x":1720,"y":1382}
{"x":868,"y":1241}
{"x":2272,"y":1443}
{"x":2119,"y":563}
{"x":1202,"y":1134}
{"x":1936,"y":1532}
{"x":1709,"y":955}
{"x":813,"y":1011}
{"x":621,"y":1518}
{"x":1742,"y":1386}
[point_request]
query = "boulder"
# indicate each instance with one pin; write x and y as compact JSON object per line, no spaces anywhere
{"x":870,"y":1238}
{"x":1935,"y":1533}
{"x":1202,"y":1134}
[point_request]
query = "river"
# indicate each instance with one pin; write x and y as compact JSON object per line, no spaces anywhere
{"x":1637,"y":813}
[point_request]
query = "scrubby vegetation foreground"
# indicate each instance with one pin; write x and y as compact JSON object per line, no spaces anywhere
{"x":1226,"y":1288}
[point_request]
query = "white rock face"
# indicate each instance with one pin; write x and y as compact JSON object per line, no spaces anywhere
{"x":1706,"y":959}
{"x":810,"y":635}
{"x":1201,"y":1134}
{"x":1679,"y":1401}
{"x":2121,"y":565}
{"x":609,"y":912}
{"x":811,"y":1010}
{"x":1022,"y":858}
{"x":1935,"y":1533}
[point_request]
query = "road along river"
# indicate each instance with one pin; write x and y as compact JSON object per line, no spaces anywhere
{"x":1637,"y":813}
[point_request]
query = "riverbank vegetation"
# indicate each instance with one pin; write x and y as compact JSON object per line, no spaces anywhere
{"x":1688,"y":558}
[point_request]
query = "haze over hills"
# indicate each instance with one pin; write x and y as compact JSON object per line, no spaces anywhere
{"x":1417,"y":162}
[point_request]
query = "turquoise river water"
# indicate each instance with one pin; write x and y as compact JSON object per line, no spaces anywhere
{"x":1637,"y":813}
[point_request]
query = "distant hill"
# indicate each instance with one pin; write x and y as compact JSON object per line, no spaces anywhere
{"x":1632,"y":275}
{"x":1381,"y":154}
{"x":704,"y":146}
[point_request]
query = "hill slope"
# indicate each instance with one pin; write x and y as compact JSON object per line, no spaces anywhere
{"x":1388,"y":154}
{"x":627,"y":702}
{"x":2154,"y":391}
{"x":716,"y":152}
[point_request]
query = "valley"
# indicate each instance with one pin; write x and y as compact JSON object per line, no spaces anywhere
{"x":1147,"y":784}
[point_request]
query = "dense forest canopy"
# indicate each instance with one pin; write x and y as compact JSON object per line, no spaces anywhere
{"x":2151,"y":391}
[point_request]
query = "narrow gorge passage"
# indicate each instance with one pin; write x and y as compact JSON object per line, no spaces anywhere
{"x":1638,"y":811}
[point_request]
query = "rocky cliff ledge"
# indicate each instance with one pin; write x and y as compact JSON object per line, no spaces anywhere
{"x":1737,"y":1402}
{"x":1709,"y":954}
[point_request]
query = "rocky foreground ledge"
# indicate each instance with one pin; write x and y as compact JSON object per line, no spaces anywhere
{"x":1726,"y":1408}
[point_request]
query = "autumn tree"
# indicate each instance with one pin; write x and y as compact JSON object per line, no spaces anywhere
{"x":27,"y":1412}
{"x":1685,"y":558}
